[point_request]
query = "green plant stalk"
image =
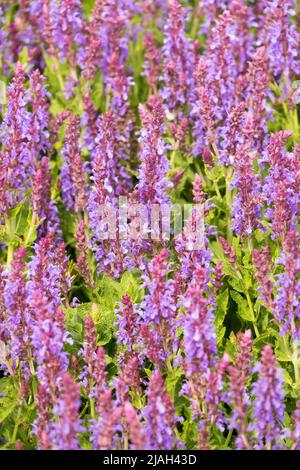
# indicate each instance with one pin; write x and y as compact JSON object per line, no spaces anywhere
{"x":296,"y":356}
{"x":228,"y":438}
{"x":10,"y":229}
{"x":228,"y":198}
{"x":254,"y":321}
{"x":31,"y":229}
{"x":16,"y":427}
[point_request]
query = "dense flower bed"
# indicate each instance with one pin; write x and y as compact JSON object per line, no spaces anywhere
{"x":114,"y":332}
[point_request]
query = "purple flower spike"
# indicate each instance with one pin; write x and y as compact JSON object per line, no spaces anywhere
{"x":286,"y":302}
{"x":246,"y":208}
{"x":66,"y":430}
{"x":268,"y":411}
{"x":152,"y":185}
{"x":18,"y":322}
{"x":263,"y":264}
{"x":14,"y":156}
{"x":136,"y":431}
{"x":160,"y":415}
{"x":74,"y":184}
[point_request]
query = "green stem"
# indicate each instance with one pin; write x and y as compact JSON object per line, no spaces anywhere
{"x":31,"y":229}
{"x":228,"y":438}
{"x":296,"y":356}
{"x":252,"y":313}
{"x":228,"y":203}
{"x":10,"y":230}
{"x":15,"y":432}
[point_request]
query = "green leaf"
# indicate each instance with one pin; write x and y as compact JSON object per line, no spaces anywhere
{"x":222,"y":302}
{"x":243,"y":308}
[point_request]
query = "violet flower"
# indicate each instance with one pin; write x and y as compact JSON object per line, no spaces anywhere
{"x":246,"y":207}
{"x":238,"y":377}
{"x":268,"y":407}
{"x":286,"y":303}
{"x":137,"y":434}
{"x":159,"y":414}
{"x":42,"y":203}
{"x":152,"y":185}
{"x":177,"y":58}
{"x":158,"y":308}
{"x":48,"y":339}
{"x":263,"y":266}
{"x":127,"y":323}
{"x":152,"y":62}
{"x":82,"y":263}
{"x":280,"y":185}
{"x":17,"y":319}
{"x":14,"y":156}
{"x":281,"y":37}
{"x":66,"y":430}
{"x":39,"y":117}
{"x":68,"y":29}
{"x":74,"y":184}
{"x":198,"y":328}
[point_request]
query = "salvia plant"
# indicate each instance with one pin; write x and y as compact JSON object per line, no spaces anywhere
{"x":120,"y":121}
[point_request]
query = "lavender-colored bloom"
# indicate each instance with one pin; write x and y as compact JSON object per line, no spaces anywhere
{"x":67,"y":428}
{"x":93,"y":53}
{"x":68,"y":28}
{"x":203,"y":110}
{"x":281,"y":37}
{"x":89,"y":120}
{"x":262,"y":261}
{"x":222,"y":69}
{"x":280,"y":186}
{"x":232,"y":133}
{"x":3,"y":33}
{"x":48,"y":271}
{"x":128,"y":380}
{"x":242,"y":42}
{"x":48,"y":339}
{"x":152,"y":185}
{"x":102,"y":206}
{"x":192,"y":244}
{"x":268,"y":407}
{"x":199,"y":343}
{"x":17,"y":320}
{"x":152,"y":61}
{"x":198,"y":326}
{"x":14,"y":156}
{"x":137,"y":434}
{"x":159,"y":306}
{"x":74,"y":185}
{"x":127,"y":323}
{"x":178,"y":59}
{"x":42,"y":425}
{"x":286,"y":302}
{"x":152,"y":347}
{"x":106,"y":425}
{"x":258,"y":78}
{"x":246,"y":207}
{"x":82,"y":263}
{"x":238,"y":395}
{"x":42,"y":203}
{"x":39,"y":117}
{"x":159,"y":414}
{"x":3,"y":333}
{"x":294,"y":434}
{"x":114,"y":42}
{"x":89,"y":353}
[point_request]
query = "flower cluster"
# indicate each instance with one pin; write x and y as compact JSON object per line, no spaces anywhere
{"x":149,"y":225}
